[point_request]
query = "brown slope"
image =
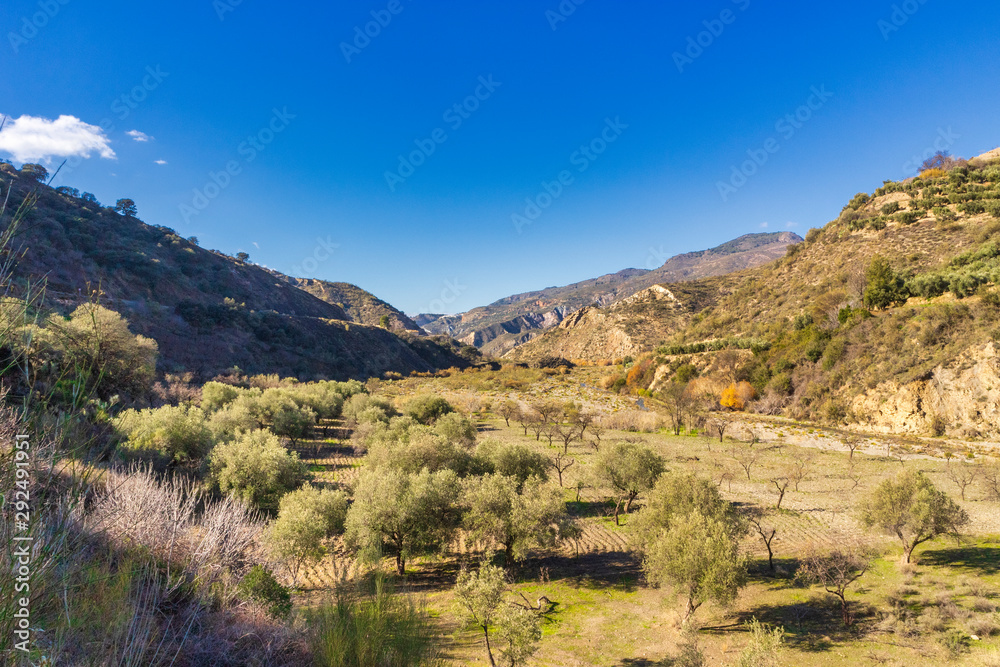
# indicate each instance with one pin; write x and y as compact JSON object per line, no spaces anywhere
{"x":207,"y":311}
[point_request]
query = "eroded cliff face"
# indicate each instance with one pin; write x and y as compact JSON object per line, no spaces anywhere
{"x":624,"y":329}
{"x":965,"y":394}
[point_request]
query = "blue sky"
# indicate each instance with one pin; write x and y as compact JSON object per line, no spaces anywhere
{"x":597,"y":96}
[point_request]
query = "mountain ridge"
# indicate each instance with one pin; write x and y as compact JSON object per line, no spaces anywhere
{"x":516,"y":319}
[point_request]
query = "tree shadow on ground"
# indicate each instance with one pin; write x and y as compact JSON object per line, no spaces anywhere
{"x":984,"y":560}
{"x":614,"y":569}
{"x":812,"y":626}
{"x":590,"y":508}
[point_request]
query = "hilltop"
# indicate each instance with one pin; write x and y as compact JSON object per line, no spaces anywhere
{"x":888,"y":317}
{"x":207,"y":311}
{"x":514,"y":320}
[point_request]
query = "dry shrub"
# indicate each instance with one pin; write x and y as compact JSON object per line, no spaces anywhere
{"x":171,"y":519}
{"x":632,"y":420}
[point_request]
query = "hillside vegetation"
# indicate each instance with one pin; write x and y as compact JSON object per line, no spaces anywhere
{"x":207,"y":311}
{"x":887,"y":317}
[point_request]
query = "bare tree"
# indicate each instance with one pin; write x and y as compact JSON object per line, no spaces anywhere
{"x":836,"y":571}
{"x":582,"y":420}
{"x":565,"y":432}
{"x":537,"y":426}
{"x":597,"y":431}
{"x":525,"y":419}
{"x":547,"y":411}
{"x":853,"y":444}
{"x":991,"y":480}
{"x":798,"y":472}
{"x":962,"y":474}
{"x":781,"y":484}
{"x":561,"y":464}
{"x":854,"y":475}
{"x":719,"y":425}
{"x":678,"y":400}
{"x":507,"y":410}
{"x":756,"y":518}
{"x":746,"y":455}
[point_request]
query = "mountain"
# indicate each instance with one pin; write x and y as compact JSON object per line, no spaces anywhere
{"x":361,"y":306}
{"x":888,"y":317}
{"x":514,"y":320}
{"x":208,"y":312}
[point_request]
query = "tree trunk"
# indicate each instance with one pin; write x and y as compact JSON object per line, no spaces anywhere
{"x":400,"y":564}
{"x":489,"y":651}
{"x":689,"y":610}
{"x":628,"y":505}
{"x":618,"y":505}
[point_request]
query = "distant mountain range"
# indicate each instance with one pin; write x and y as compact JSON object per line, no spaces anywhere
{"x":512,"y":321}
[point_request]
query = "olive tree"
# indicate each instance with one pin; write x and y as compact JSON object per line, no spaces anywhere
{"x":519,"y":520}
{"x":305,"y":518}
{"x":700,"y":557}
{"x":172,"y":434}
{"x":428,"y":409}
{"x":517,"y":461}
{"x":628,"y":469}
{"x":515,"y":630}
{"x":95,"y":344}
{"x":913,"y":509}
{"x":256,"y":468}
{"x":403,"y":514}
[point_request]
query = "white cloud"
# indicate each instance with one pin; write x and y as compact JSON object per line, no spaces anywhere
{"x":138,"y":136}
{"x":791,"y":225}
{"x":159,"y":161}
{"x":763,"y":225}
{"x":32,"y":138}
{"x":255,"y":245}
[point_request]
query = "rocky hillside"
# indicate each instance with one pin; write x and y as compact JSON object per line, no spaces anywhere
{"x":514,"y":320}
{"x":361,"y":306}
{"x":887,"y":318}
{"x":207,"y":311}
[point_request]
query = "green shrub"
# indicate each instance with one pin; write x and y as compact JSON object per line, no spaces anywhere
{"x":374,"y":628}
{"x":955,"y":642}
{"x":455,"y":428}
{"x":305,"y":518}
{"x":259,"y":585}
{"x":908,"y":217}
{"x":256,"y":468}
{"x":171,"y":433}
{"x":890,"y":208}
{"x":993,"y":208}
{"x":972,"y":207}
{"x":357,"y":404}
{"x":428,"y":409}
{"x":858,"y":201}
{"x":834,"y":352}
{"x":215,"y":395}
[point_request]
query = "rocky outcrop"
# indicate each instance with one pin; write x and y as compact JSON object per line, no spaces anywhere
{"x":964,"y":394}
